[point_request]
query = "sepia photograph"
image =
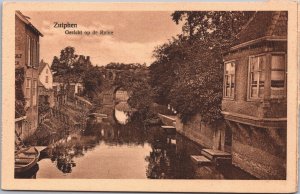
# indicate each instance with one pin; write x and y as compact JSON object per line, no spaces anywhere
{"x":135,"y":94}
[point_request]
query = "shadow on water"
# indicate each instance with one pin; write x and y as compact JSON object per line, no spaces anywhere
{"x":161,"y":154}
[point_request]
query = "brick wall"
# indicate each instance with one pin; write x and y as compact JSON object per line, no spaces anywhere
{"x":260,"y":151}
{"x":21,"y":31}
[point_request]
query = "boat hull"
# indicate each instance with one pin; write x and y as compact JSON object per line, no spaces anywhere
{"x":23,"y":164}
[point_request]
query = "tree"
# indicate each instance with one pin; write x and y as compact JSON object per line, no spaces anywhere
{"x":164,"y":71}
{"x":221,"y":26}
{"x":19,"y":99}
{"x":92,"y":80}
{"x":188,"y":71}
{"x":67,"y":56}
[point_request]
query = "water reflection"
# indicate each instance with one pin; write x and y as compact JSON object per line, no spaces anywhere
{"x":107,"y":150}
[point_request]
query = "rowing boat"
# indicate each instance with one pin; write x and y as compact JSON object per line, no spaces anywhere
{"x":25,"y":159}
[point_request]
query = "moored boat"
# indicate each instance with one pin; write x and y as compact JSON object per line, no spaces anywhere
{"x":25,"y":159}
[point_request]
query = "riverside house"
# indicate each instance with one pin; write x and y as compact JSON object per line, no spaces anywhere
{"x":26,"y":65}
{"x":255,"y":97}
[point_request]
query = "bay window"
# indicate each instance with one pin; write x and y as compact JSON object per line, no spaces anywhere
{"x":229,"y":79}
{"x":275,"y":73}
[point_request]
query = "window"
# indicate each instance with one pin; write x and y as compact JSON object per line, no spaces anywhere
{"x":28,"y":92}
{"x":34,"y":93}
{"x":29,"y":57}
{"x":47,"y":71}
{"x":34,"y":53}
{"x":46,"y":79}
{"x":229,"y":79}
{"x":257,"y":76}
{"x":278,"y":76}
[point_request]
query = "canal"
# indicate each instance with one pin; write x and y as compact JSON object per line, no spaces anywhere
{"x":108,"y":150}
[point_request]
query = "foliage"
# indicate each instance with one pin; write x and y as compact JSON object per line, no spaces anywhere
{"x":43,"y":107}
{"x":92,"y":80}
{"x":69,"y":64}
{"x":19,"y":99}
{"x":70,"y":67}
{"x":188,"y":71}
{"x":163,"y":71}
{"x":123,"y":66}
{"x":141,"y":93}
{"x":221,"y":26}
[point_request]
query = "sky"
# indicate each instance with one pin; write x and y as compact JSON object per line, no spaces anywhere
{"x":135,"y":34}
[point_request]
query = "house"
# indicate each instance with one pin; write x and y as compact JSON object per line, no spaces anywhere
{"x":45,"y":90}
{"x":254,"y":101}
{"x":26,"y":65}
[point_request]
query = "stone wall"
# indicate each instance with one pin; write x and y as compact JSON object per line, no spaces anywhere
{"x":259,"y":151}
{"x":206,"y":135}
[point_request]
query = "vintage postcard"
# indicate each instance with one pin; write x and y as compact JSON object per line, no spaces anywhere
{"x":165,"y":97}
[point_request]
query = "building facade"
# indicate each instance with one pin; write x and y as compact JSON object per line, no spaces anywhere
{"x":45,"y":91}
{"x":27,"y":61}
{"x":255,"y":97}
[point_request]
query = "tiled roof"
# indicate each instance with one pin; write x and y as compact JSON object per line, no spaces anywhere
{"x":262,"y":24}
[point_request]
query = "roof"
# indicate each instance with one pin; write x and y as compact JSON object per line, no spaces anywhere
{"x":42,"y":66}
{"x":40,"y":84}
{"x":27,"y":22}
{"x":264,"y":25}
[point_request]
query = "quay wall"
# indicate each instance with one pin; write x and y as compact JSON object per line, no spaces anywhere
{"x":207,"y":135}
{"x":260,"y":151}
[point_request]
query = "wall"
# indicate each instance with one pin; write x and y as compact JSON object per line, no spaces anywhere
{"x":207,"y":135}
{"x":259,"y":151}
{"x":43,"y":75}
{"x":259,"y":132}
{"x":20,"y":61}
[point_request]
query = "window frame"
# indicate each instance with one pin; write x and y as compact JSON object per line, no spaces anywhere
{"x":28,"y":51}
{"x":232,"y":96}
{"x":249,"y":98}
{"x":34,"y":92}
{"x":28,"y":87}
{"x":285,"y":74}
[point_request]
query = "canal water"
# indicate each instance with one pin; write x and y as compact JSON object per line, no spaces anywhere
{"x":108,"y":150}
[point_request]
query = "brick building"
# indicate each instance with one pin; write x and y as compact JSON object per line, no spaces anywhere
{"x":27,"y":62}
{"x":255,"y":97}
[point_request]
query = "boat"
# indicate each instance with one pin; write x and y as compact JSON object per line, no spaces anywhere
{"x":25,"y":159}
